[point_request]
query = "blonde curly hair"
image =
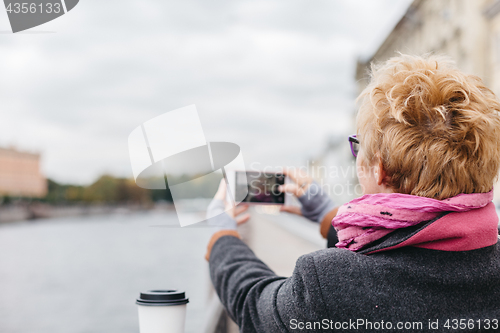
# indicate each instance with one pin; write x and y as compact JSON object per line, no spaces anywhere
{"x":435,"y":129}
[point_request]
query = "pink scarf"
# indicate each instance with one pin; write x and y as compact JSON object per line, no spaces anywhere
{"x":372,"y":216}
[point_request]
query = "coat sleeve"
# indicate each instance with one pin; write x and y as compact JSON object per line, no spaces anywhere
{"x":255,"y":297}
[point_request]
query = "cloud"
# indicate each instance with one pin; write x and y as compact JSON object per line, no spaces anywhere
{"x":274,"y":77}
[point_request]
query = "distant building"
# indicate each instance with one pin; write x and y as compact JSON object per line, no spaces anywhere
{"x":458,"y":28}
{"x":466,"y":30}
{"x":20,"y":174}
{"x":492,"y":14}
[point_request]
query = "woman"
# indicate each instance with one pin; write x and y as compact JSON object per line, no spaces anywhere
{"x":419,"y":250}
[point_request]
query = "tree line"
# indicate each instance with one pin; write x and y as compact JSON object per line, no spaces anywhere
{"x":105,"y":190}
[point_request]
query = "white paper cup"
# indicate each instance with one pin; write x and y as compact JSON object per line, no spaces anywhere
{"x":162,"y":311}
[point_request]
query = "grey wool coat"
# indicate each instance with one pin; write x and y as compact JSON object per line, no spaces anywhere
{"x":386,"y":287}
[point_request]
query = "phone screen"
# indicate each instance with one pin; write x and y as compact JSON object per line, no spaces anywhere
{"x":262,"y":187}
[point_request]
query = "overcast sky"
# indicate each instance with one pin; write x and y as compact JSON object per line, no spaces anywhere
{"x":275,"y":77}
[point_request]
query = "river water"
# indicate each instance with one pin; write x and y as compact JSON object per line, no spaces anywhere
{"x":83,"y":274}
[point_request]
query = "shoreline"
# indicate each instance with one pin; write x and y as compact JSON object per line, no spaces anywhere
{"x":38,"y":211}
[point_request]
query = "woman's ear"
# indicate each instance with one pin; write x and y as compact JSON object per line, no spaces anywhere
{"x":379,"y":171}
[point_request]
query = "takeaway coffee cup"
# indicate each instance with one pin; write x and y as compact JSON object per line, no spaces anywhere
{"x":162,"y":311}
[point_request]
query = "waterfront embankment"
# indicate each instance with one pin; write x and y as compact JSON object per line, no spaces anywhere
{"x":37,"y":210}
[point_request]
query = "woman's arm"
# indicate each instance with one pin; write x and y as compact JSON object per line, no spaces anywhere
{"x":245,"y":285}
{"x":255,"y":297}
{"x":247,"y":288}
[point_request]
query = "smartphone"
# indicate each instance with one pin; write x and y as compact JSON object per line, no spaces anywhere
{"x":259,"y":187}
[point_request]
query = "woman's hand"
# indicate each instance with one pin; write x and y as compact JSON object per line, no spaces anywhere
{"x":301,"y":182}
{"x":222,"y":214}
{"x":315,"y":202}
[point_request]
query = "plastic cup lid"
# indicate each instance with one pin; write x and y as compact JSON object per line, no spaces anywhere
{"x":162,"y":298}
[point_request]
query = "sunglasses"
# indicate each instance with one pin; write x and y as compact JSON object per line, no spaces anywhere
{"x":354,"y":142}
